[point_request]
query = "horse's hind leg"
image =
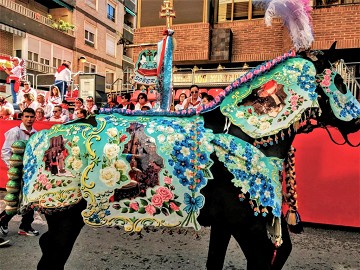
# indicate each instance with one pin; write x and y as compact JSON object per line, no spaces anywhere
{"x":63,"y":229}
{"x":219,"y":241}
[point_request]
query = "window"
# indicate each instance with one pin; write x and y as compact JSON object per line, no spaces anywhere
{"x":33,"y":56}
{"x":90,"y":32}
{"x":56,"y":62}
{"x":111,"y":12}
{"x":110,"y":75}
{"x":45,"y":65}
{"x":230,"y":10}
{"x":89,"y":68}
{"x":91,"y":3}
{"x":110,"y":45}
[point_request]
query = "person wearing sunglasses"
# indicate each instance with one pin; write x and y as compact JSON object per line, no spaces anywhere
{"x":194,"y":100}
{"x":57,"y":115}
{"x":142,"y":101}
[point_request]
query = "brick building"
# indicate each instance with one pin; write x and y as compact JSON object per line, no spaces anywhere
{"x":227,"y":35}
{"x":89,"y":34}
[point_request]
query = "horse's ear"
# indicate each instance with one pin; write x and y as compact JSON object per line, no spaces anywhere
{"x":332,"y":54}
{"x":333,"y":47}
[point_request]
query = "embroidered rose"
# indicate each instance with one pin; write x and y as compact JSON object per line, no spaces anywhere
{"x":167,"y":180}
{"x":120,"y":165}
{"x":150,"y":209}
{"x":253,"y":120}
{"x":240,"y":114}
{"x":43,"y":179}
{"x":48,"y":186}
{"x":111,"y":150}
{"x":161,"y":138}
{"x":165,"y":193}
{"x":174,"y":207}
{"x":109,"y":176}
{"x":69,"y":160}
{"x":134,"y":205}
{"x":157,"y":200}
{"x":123,"y":138}
{"x":112,"y":132}
{"x":264,"y":125}
{"x":75,"y":150}
{"x":76,"y":164}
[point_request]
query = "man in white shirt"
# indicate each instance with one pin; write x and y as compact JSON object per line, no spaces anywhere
{"x":63,"y":78}
{"x":57,"y":115}
{"x":194,"y":100}
{"x":47,"y":107}
{"x":22,"y":132}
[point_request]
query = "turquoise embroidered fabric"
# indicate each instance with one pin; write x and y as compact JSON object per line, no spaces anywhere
{"x":273,"y":101}
{"x":344,"y":106}
{"x":255,"y":173}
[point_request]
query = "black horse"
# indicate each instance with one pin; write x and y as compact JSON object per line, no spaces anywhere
{"x":228,"y":210}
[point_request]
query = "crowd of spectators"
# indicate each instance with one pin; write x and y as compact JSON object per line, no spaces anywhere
{"x":51,"y":107}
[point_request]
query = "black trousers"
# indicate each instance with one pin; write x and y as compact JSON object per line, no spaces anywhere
{"x":26,"y":220}
{"x":57,"y":243}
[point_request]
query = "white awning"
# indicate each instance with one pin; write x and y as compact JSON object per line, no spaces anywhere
{"x":12,"y":30}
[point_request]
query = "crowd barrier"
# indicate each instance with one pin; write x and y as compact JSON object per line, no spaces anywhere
{"x":328,"y":176}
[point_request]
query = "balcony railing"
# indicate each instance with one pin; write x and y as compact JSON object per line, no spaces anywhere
{"x":328,"y":3}
{"x":128,"y":59}
{"x":31,"y":65}
{"x":32,"y":15}
{"x":128,"y":28}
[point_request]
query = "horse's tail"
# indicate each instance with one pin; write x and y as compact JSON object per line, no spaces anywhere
{"x":15,"y":173}
{"x":292,"y":215}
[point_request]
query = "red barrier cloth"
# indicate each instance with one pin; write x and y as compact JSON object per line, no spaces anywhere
{"x":5,"y":125}
{"x":328,"y":179}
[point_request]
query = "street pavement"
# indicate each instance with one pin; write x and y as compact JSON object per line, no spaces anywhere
{"x":110,"y":248}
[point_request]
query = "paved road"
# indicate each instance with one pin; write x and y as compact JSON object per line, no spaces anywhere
{"x":109,"y":248}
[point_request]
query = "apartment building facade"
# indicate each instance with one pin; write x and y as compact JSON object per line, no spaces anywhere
{"x":85,"y":33}
{"x":224,"y":37}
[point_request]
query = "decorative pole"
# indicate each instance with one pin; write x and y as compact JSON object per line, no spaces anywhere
{"x":165,"y":58}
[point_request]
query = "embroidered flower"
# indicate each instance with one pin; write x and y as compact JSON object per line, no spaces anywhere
{"x":112,"y":132}
{"x":109,"y":176}
{"x":76,"y":164}
{"x":111,"y":150}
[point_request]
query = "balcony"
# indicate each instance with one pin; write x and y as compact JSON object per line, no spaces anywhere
{"x":26,"y":20}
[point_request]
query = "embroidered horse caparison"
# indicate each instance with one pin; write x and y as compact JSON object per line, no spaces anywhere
{"x":137,"y":169}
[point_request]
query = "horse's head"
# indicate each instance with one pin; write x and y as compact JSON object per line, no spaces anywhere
{"x":338,"y":107}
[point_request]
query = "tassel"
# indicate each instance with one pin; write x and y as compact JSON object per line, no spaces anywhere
{"x":294,"y":221}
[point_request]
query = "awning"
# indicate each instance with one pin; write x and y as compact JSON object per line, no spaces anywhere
{"x":63,"y":4}
{"x":12,"y":30}
{"x":130,"y":11}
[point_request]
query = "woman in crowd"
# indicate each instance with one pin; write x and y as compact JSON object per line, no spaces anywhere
{"x":206,"y":98}
{"x":126,"y":103}
{"x":142,"y":101}
{"x":40,"y":114}
{"x":111,"y":102}
{"x":29,"y":102}
{"x":55,"y":97}
{"x":79,"y":105}
{"x":180,"y":105}
{"x":82,"y":113}
{"x":91,"y":108}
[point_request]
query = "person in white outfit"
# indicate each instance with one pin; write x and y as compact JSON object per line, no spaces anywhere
{"x":63,"y":78}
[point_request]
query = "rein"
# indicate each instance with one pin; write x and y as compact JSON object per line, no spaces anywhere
{"x":345,"y":137}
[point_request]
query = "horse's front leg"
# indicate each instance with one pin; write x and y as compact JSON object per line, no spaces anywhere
{"x":219,"y":241}
{"x":63,"y":229}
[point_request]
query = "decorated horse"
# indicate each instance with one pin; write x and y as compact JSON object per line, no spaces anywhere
{"x":219,"y":165}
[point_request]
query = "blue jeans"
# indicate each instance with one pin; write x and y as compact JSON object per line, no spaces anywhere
{"x":62,"y":85}
{"x":13,"y":93}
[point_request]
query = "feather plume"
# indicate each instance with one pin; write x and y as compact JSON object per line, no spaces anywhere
{"x":295,"y":15}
